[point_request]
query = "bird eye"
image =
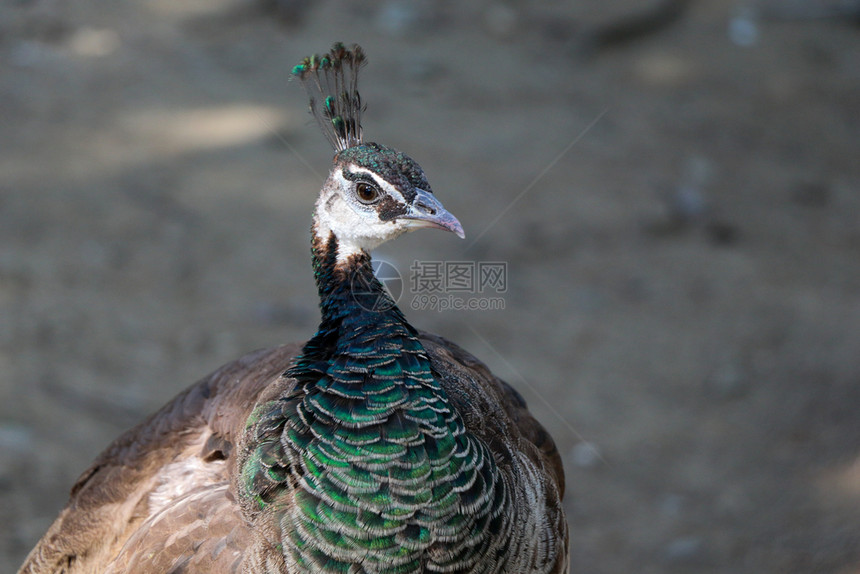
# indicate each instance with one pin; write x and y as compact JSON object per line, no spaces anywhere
{"x":366,"y":192}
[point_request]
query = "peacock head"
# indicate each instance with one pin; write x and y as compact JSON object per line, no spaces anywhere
{"x":373,"y":193}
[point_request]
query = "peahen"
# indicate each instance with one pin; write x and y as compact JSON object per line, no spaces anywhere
{"x":371,"y":448}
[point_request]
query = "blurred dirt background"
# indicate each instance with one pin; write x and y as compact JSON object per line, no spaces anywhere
{"x":674,"y":186}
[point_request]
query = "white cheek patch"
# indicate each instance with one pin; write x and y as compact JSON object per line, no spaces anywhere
{"x":355,"y":229}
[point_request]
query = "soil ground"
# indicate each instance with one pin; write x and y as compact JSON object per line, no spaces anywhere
{"x":678,"y":213}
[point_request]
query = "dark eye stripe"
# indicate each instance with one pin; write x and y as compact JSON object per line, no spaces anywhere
{"x":389,"y":208}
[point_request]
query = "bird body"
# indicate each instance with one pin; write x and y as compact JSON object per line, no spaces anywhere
{"x":373,"y":448}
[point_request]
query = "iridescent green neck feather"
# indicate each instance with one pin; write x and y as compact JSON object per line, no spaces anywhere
{"x":364,"y":462}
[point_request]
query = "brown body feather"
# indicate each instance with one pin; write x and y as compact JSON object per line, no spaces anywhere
{"x":162,"y":498}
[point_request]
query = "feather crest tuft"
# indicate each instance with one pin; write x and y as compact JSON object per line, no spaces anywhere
{"x":331,"y":81}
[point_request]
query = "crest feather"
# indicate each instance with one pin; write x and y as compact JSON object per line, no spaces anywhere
{"x":331,"y":81}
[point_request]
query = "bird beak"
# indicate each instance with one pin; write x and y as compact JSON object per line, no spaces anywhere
{"x":426,"y":211}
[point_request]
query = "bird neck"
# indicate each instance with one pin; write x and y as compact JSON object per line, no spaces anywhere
{"x":361,"y":328}
{"x":381,"y":467}
{"x":350,"y":294}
